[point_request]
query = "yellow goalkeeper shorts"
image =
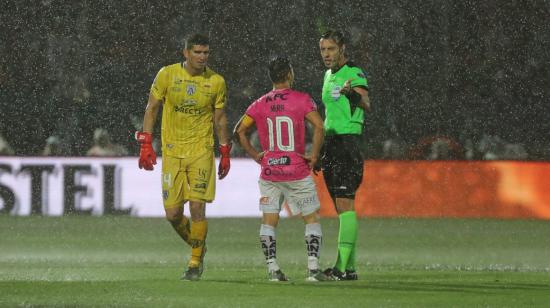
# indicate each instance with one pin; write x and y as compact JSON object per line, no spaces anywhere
{"x":188,"y":179}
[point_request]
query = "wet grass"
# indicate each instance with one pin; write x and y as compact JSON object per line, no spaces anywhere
{"x":125,"y":261}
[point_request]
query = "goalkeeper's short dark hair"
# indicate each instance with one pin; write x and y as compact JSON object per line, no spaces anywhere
{"x":279,"y":67}
{"x":196,"y":39}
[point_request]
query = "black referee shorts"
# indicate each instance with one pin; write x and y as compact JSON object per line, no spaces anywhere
{"x":342,"y":162}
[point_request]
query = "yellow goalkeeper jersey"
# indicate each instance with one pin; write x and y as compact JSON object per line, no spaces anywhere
{"x":188,"y":110}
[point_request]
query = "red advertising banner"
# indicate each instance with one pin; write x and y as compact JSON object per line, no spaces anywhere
{"x":502,"y":189}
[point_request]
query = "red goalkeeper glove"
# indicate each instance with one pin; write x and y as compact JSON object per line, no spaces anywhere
{"x":223,"y":167}
{"x":147,"y":156}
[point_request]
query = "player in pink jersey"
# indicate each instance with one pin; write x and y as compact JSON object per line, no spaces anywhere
{"x":280,"y":118}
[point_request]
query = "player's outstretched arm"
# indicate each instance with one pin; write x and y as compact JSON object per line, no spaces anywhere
{"x":357,"y":96}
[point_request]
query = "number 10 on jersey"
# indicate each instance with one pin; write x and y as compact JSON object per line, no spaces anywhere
{"x":275,"y":132}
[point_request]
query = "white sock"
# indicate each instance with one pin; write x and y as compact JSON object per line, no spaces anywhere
{"x":272,"y":265}
{"x":314,"y":237}
{"x":269,"y":246}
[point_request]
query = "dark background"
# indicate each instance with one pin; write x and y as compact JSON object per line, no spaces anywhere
{"x":455,"y":68}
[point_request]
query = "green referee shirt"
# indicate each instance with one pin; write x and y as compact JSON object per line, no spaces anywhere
{"x":339,"y":119}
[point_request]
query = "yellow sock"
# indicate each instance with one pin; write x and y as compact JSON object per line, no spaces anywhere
{"x":184,"y":230}
{"x":199,"y":229}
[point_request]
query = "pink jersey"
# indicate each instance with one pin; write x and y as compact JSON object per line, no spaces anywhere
{"x":280,"y":120}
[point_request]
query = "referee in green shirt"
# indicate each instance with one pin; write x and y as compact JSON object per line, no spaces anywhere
{"x":345,"y":96}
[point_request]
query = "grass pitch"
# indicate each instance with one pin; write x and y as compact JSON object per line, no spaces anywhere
{"x":137,"y":262}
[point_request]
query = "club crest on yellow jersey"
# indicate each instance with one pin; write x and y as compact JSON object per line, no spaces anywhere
{"x":190,"y":89}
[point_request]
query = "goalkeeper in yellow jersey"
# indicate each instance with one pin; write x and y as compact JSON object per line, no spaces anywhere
{"x":193,"y":99}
